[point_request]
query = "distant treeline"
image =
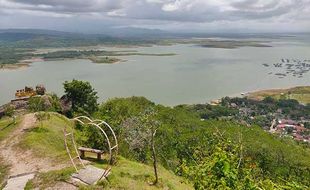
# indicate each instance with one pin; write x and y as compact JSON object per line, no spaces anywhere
{"x":12,"y":55}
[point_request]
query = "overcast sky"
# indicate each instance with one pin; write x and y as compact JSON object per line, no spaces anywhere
{"x":175,"y":15}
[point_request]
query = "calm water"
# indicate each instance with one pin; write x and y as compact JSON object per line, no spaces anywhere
{"x":194,"y":75}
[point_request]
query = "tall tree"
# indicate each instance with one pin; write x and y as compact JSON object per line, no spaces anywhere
{"x":140,"y":135}
{"x":82,"y":95}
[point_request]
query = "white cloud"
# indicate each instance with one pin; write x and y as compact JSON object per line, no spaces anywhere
{"x":177,"y":12}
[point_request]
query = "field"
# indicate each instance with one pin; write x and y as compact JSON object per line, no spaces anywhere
{"x":301,"y":94}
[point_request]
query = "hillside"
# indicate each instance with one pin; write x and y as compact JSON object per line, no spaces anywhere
{"x":39,"y":145}
{"x":188,"y":146}
{"x":42,"y":141}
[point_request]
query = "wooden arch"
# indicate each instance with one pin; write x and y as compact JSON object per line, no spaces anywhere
{"x":102,"y":126}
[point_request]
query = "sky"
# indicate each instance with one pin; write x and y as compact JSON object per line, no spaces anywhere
{"x":95,"y":16}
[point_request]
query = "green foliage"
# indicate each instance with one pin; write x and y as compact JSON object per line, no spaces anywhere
{"x":41,"y":116}
{"x":182,"y":132}
{"x":7,"y":125}
{"x":137,"y":132}
{"x":36,"y":104}
{"x":222,"y":167}
{"x":44,"y":103}
{"x":13,"y":55}
{"x":46,"y":138}
{"x":307,"y":125}
{"x":207,"y":111}
{"x":9,"y":110}
{"x":289,"y":108}
{"x":90,"y":136}
{"x":55,"y":103}
{"x":116,"y":111}
{"x":82,"y":95}
{"x":128,"y":174}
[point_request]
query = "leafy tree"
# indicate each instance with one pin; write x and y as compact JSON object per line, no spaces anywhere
{"x":140,"y":135}
{"x":83,"y":96}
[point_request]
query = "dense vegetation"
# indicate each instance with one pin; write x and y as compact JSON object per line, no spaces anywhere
{"x":210,"y":152}
{"x":252,"y":111}
{"x":197,"y":142}
{"x":12,"y":55}
{"x":16,"y":46}
{"x":182,"y":134}
{"x":46,"y":141}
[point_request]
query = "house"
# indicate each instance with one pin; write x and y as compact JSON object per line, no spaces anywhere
{"x":288,"y":121}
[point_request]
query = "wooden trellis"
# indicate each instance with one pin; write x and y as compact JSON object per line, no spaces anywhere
{"x":102,"y":126}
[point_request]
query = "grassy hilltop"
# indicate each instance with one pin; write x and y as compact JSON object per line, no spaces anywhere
{"x":45,"y":140}
{"x":196,"y":146}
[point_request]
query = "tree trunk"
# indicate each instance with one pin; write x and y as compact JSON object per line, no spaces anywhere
{"x":154,"y":158}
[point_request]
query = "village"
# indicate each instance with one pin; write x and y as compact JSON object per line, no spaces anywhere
{"x":291,"y":128}
{"x":285,"y":118}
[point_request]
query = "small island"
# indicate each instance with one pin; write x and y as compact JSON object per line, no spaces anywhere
{"x":18,"y":58}
{"x":107,"y":60}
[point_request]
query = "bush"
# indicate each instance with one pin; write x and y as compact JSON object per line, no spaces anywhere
{"x":36,"y":104}
{"x":9,"y":110}
{"x":44,"y":103}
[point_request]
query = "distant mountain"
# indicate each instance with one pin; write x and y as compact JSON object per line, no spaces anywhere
{"x":33,"y":38}
{"x":128,"y":32}
{"x":132,"y":32}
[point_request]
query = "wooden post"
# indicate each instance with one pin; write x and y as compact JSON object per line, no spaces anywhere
{"x":98,"y":156}
{"x":154,"y":155}
{"x":82,"y":153}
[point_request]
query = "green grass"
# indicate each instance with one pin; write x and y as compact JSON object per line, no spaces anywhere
{"x":282,"y":156}
{"x":124,"y":175}
{"x":7,"y":126}
{"x":254,"y":138}
{"x":48,"y":179}
{"x":46,"y":139}
{"x":128,"y":174}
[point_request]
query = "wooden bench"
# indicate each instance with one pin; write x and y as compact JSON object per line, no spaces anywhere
{"x":83,"y":150}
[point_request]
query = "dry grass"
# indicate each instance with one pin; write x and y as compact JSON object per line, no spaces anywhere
{"x":300,"y":93}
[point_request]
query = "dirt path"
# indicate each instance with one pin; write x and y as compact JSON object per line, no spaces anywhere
{"x":21,"y":161}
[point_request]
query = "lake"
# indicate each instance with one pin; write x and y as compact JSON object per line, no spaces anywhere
{"x":194,"y":75}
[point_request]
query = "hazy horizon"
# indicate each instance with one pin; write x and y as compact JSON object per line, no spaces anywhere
{"x":183,"y":16}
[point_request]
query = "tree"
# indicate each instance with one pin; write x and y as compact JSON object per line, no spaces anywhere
{"x":140,"y":134}
{"x":82,"y":95}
